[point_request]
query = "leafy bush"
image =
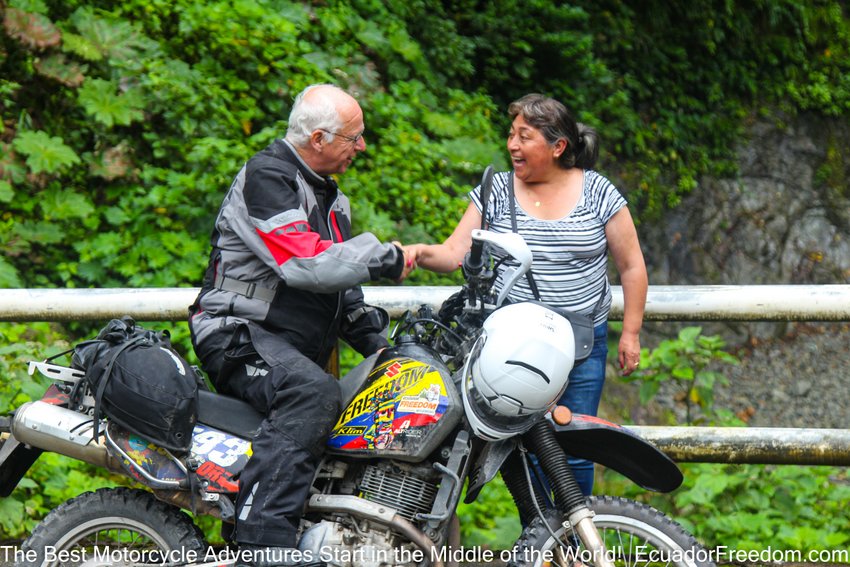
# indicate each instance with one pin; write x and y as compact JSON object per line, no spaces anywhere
{"x":684,"y":362}
{"x":745,"y":507}
{"x":492,"y":521}
{"x":124,"y":121}
{"x":147,"y":110}
{"x":751,"y":507}
{"x":670,"y":94}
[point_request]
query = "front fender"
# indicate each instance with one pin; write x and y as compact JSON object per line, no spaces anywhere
{"x":611,"y":445}
{"x":487,"y":465}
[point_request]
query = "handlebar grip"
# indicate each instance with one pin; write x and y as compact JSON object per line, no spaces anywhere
{"x":473,"y":263}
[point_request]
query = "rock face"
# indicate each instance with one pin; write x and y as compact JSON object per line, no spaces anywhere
{"x":784,"y":220}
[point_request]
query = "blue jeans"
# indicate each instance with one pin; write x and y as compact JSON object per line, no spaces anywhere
{"x":583,"y":394}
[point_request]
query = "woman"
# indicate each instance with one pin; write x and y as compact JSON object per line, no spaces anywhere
{"x":570,"y":216}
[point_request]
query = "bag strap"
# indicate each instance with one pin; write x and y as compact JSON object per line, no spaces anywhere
{"x":63,"y":353}
{"x":104,"y":378}
{"x":511,"y":202}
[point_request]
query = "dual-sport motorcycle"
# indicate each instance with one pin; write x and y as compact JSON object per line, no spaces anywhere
{"x":462,"y":396}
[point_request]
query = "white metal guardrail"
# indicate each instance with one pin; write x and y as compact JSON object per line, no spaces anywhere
{"x":664,"y":303}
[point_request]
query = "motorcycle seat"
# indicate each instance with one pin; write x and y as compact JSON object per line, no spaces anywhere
{"x":231,"y":415}
{"x":238,"y":417}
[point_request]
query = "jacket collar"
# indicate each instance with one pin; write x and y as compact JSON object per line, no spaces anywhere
{"x":313,"y":178}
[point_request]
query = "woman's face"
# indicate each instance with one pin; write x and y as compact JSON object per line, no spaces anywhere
{"x":531,"y":155}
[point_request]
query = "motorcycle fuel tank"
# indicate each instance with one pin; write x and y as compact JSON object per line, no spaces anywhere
{"x":405,"y":408}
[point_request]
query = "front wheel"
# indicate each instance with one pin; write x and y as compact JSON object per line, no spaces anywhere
{"x":634,"y":535}
{"x":113,"y":527}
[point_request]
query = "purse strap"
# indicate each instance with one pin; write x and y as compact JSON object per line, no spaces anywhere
{"x":512,"y":204}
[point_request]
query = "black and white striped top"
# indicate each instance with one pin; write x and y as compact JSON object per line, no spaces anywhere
{"x":570,"y":254}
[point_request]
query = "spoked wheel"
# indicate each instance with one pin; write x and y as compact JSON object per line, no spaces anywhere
{"x":635,"y":535}
{"x":114,"y":527}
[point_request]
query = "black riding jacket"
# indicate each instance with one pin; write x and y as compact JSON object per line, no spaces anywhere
{"x":284,"y":264}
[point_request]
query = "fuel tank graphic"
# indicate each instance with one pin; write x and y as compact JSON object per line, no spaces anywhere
{"x":406,"y":407}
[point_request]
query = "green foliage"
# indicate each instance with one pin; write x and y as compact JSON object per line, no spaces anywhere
{"x":684,"y":361}
{"x":745,"y":507}
{"x":694,"y":71}
{"x":45,"y":153}
{"x":670,"y":94}
{"x":129,"y":119}
{"x":492,"y":520}
{"x":8,"y":274}
{"x":149,"y":108}
{"x":749,"y":507}
{"x":99,"y":99}
{"x":52,"y":480}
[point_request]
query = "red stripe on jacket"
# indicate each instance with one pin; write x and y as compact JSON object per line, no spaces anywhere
{"x":285,"y":242}
{"x":335,"y":226}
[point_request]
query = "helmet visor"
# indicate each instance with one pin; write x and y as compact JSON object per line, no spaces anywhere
{"x":494,"y":410}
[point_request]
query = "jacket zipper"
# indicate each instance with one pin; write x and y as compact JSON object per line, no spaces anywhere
{"x":332,"y":234}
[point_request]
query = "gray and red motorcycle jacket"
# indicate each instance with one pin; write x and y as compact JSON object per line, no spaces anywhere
{"x":284,"y":264}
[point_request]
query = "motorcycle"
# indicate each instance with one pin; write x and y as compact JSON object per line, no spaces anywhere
{"x":463,"y":395}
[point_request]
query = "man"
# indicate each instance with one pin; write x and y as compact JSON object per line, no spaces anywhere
{"x":281,"y":286}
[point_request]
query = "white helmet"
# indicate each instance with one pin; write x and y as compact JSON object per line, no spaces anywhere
{"x":517,"y":370}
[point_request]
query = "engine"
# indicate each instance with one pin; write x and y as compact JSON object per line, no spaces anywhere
{"x":350,"y":534}
{"x":346,"y":543}
{"x":388,"y":484}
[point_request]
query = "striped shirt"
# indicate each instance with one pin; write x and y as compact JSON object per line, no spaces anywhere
{"x":570,"y":254}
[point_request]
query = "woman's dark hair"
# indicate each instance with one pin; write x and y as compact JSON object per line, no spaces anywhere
{"x":555,"y":123}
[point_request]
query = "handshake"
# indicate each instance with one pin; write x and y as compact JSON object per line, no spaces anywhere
{"x":411,"y":258}
{"x":442,"y":258}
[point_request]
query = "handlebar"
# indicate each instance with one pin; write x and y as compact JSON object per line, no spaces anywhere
{"x":512,"y":244}
{"x":473,"y":262}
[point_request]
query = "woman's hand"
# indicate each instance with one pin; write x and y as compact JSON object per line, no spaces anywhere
{"x":628,"y":353}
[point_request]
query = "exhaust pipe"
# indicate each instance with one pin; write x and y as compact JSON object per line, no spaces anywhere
{"x":60,"y":430}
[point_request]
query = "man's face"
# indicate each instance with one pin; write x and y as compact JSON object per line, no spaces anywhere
{"x":336,"y":156}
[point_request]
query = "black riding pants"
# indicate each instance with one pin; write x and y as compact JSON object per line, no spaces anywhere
{"x":302,"y":403}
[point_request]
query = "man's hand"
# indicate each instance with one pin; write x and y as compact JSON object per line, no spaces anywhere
{"x":409,"y":260}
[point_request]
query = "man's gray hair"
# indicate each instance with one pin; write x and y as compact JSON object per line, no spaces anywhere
{"x":307,"y":116}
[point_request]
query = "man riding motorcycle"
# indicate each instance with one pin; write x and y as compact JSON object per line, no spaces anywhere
{"x":281,"y":286}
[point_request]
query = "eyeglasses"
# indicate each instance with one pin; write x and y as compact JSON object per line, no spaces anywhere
{"x":351,"y":139}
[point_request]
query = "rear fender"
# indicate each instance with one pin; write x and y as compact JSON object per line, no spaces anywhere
{"x":617,"y":448}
